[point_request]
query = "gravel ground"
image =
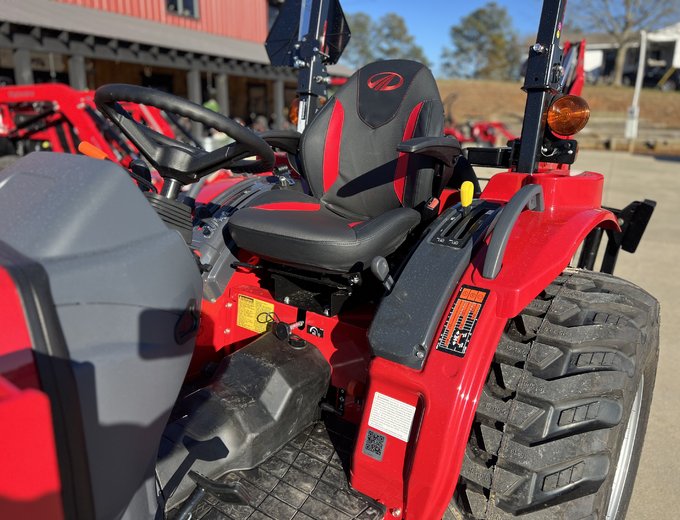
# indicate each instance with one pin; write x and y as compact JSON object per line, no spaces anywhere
{"x":655,"y":267}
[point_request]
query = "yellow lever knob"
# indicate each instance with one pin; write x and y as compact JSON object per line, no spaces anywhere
{"x":467,"y":191}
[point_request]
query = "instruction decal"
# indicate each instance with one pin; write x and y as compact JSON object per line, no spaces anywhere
{"x":461,"y":320}
{"x":253,"y":314}
{"x":391,"y":416}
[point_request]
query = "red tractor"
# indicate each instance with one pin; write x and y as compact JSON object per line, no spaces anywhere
{"x":375,"y":338}
{"x":55,"y":117}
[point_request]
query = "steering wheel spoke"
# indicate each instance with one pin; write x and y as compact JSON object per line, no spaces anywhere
{"x":172,"y":158}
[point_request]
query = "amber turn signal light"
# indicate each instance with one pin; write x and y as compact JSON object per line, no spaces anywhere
{"x":294,"y":111}
{"x":568,"y":115}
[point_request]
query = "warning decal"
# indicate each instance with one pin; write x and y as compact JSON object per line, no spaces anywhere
{"x":461,"y":320}
{"x":253,"y":314}
{"x":391,"y":416}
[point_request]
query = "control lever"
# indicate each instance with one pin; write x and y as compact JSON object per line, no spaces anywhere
{"x":140,"y":172}
{"x":381,"y":270}
{"x":467,"y":191}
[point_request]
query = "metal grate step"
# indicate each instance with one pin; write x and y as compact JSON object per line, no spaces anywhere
{"x":304,"y":480}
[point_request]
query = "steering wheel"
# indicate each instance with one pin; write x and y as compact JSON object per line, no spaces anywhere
{"x":173,"y":159}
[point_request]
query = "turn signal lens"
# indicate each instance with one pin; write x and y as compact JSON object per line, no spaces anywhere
{"x":568,"y":115}
{"x":294,"y":111}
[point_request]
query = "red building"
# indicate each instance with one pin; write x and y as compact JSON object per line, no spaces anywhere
{"x":240,"y":19}
{"x":194,"y":48}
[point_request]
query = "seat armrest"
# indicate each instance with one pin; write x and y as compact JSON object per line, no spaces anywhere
{"x":442,"y":149}
{"x":286,"y":140}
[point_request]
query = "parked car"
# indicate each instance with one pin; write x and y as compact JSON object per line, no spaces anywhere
{"x":653,"y":78}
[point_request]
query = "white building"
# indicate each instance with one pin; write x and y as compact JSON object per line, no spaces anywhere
{"x":663,"y":50}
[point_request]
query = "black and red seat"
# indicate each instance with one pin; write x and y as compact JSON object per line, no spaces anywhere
{"x":365,"y":195}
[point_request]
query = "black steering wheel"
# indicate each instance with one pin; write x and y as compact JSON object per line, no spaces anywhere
{"x":174,"y":159}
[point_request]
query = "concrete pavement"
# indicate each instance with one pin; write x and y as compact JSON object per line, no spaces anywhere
{"x":655,"y":267}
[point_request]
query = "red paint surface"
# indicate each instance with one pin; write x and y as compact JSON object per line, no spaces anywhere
{"x":241,"y":19}
{"x":402,"y":159}
{"x":344,"y":343}
{"x":331,"y":157}
{"x":69,"y":114}
{"x":419,"y":477}
{"x":29,"y":480}
{"x":290,"y":206}
{"x":213,"y":189}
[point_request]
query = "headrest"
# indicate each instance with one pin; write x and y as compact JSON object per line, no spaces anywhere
{"x":384,"y":85}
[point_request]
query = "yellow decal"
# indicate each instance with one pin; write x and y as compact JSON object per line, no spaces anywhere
{"x":253,"y":314}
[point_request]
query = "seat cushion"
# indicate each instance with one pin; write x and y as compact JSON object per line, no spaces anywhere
{"x":297,"y":229}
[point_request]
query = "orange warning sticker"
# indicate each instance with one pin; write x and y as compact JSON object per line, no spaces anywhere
{"x":461,"y":320}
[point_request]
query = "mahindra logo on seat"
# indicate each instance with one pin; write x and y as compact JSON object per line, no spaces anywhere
{"x":385,"y":81}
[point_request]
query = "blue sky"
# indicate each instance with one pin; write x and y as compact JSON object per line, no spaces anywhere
{"x":429,"y":20}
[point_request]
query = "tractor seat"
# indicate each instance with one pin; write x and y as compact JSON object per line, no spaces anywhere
{"x":365,"y":195}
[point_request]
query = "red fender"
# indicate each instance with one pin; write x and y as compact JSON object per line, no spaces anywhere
{"x":217,"y":187}
{"x":416,"y":479}
{"x":29,"y":482}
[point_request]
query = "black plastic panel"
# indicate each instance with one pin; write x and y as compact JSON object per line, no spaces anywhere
{"x":529,"y":196}
{"x":261,"y":397}
{"x":120,"y":281}
{"x":407,"y":318}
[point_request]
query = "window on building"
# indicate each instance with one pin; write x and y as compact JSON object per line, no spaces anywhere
{"x":183,"y":7}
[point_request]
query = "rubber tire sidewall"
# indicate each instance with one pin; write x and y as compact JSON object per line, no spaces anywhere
{"x":650,"y":365}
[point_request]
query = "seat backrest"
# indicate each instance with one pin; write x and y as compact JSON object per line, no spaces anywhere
{"x":349,"y":151}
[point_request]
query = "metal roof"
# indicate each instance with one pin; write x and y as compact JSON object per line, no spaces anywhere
{"x":73,"y":18}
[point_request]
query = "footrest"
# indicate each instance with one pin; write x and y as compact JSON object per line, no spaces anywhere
{"x":304,"y":480}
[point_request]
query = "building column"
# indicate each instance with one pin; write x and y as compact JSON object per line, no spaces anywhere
{"x":77,"y":76}
{"x":23,"y":72}
{"x":194,"y":90}
{"x":279,"y":100}
{"x":222,"y":93}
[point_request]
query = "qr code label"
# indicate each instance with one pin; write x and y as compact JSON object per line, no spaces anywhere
{"x":374,"y":445}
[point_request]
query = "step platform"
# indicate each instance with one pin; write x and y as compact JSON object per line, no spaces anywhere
{"x":304,"y":480}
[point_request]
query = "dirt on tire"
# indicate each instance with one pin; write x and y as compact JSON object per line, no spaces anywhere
{"x":550,"y":424}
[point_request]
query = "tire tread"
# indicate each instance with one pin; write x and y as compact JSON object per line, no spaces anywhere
{"x":555,"y":397}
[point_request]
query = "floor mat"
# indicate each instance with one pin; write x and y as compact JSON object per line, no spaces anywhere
{"x":304,"y":480}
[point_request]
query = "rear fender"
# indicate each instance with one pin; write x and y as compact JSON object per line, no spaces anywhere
{"x":216,"y":187}
{"x":29,"y":481}
{"x":416,"y":478}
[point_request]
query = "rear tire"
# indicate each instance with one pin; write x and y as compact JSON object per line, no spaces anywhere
{"x":572,"y":377}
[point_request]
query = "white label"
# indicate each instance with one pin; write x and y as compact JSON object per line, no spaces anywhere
{"x":391,"y":416}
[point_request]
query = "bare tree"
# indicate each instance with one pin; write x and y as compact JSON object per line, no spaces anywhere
{"x":623,"y":19}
